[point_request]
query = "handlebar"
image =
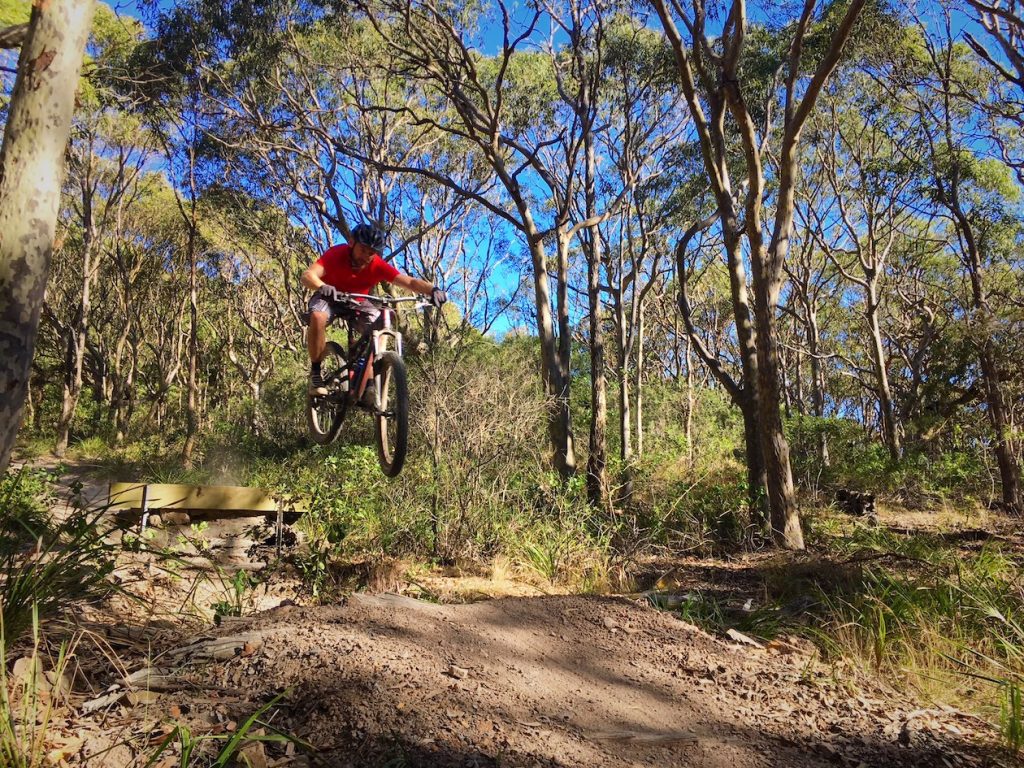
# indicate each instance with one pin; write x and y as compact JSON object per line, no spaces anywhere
{"x":389,"y":301}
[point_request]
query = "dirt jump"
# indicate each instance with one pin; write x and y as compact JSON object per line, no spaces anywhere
{"x":387,"y":680}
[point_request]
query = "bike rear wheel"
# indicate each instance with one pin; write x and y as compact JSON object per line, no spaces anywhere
{"x":324,"y":414}
{"x":392,"y":422}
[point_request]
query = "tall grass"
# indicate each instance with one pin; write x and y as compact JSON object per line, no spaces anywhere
{"x":945,"y":622}
{"x":73,"y":561}
{"x":28,"y":702}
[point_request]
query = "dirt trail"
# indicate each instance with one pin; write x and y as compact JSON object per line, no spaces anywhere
{"x":559,"y":681}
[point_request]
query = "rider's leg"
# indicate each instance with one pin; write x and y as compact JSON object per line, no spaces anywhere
{"x":316,"y":338}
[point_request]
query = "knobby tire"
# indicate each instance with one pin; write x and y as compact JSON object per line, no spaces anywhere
{"x":393,"y":386}
{"x":324,"y":422}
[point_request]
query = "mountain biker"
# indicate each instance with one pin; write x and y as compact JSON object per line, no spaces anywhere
{"x":353,"y":267}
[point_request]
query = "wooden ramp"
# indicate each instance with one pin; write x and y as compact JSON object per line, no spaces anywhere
{"x":232,"y":512}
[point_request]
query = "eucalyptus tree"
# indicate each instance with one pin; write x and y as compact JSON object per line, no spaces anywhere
{"x":244,"y":236}
{"x":642,"y":135}
{"x":732,"y":369}
{"x":31,"y":170}
{"x":108,"y":151}
{"x":872,"y":207}
{"x":105,"y":164}
{"x":293,"y":131}
{"x":972,"y":194}
{"x":578,"y":74}
{"x":138,"y":292}
{"x":169,"y":90}
{"x":927,"y":334}
{"x":499,"y":109}
{"x":812,"y":283}
{"x":1002,"y":49}
{"x":714,"y":69}
{"x":613,"y":118}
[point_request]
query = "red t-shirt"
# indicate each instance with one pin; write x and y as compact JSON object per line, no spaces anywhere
{"x":338,"y":271}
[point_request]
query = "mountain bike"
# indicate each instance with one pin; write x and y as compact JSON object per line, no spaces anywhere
{"x":376,"y":356}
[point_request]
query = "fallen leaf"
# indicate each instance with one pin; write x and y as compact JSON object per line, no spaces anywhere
{"x":739,"y":637}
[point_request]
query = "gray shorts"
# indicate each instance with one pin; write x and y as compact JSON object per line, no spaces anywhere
{"x":359,"y":314}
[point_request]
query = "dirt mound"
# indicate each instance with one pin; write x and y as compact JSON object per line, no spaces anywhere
{"x":559,"y":681}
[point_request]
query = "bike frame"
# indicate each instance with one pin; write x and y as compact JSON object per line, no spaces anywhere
{"x":374,"y":340}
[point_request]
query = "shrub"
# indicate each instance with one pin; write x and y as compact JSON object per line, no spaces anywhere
{"x":25,"y":497}
{"x":859,"y":462}
{"x":71,"y":560}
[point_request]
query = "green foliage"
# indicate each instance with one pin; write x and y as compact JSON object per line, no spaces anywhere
{"x":529,"y":89}
{"x":920,"y":609}
{"x":69,"y":561}
{"x":564,"y":540}
{"x":631,"y":47}
{"x":14,"y":12}
{"x":858,"y":461}
{"x":233,"y":601}
{"x":714,"y":614}
{"x":25,"y":496}
{"x":194,"y":750}
{"x":1011,"y":718}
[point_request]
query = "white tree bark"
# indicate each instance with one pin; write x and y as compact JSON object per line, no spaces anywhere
{"x":31,"y":171}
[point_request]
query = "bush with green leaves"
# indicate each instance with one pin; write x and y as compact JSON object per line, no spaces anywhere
{"x":70,"y":559}
{"x":858,"y":461}
{"x":25,"y":497}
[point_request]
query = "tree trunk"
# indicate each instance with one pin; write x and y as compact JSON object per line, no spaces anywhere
{"x":77,"y":340}
{"x":625,"y":417}
{"x":744,"y":395}
{"x":597,"y":480}
{"x":1009,"y":471}
{"x":690,"y":402}
{"x":559,"y":423}
{"x":30,"y":406}
{"x":192,"y":424}
{"x":757,"y":479}
{"x":638,"y":384}
{"x":192,"y":413}
{"x":817,"y":382}
{"x":798,"y":371}
{"x":31,"y":173}
{"x":787,"y":402}
{"x":778,"y":472}
{"x":890,"y":432}
{"x":565,"y":456}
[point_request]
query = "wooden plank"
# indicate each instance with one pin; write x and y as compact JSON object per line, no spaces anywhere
{"x":197,"y":497}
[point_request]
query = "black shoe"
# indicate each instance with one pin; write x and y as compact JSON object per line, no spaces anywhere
{"x":316,"y":383}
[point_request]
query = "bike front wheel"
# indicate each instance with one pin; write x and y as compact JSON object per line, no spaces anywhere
{"x":324,"y":414}
{"x":392,"y":421}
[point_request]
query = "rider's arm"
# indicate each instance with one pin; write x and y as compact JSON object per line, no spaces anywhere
{"x":311,"y":277}
{"x":413,"y":284}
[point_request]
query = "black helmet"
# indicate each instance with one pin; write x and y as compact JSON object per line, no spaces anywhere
{"x":367,"y":234}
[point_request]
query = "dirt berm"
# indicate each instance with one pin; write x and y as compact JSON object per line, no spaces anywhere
{"x":561,"y":681}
